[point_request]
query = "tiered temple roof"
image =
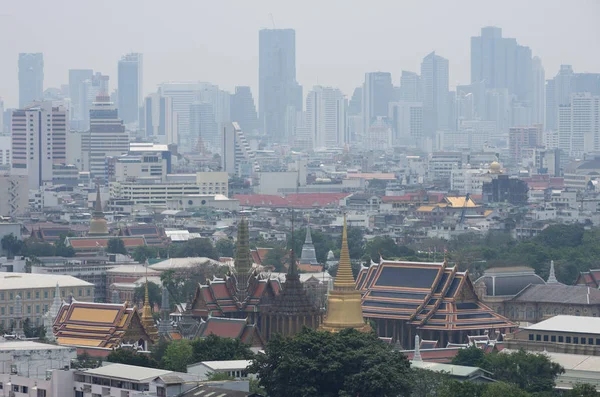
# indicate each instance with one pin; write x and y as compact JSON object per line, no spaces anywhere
{"x":430,"y":296}
{"x":234,"y":328}
{"x":97,"y":328}
{"x":243,"y":290}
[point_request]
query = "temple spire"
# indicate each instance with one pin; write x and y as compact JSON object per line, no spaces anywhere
{"x":308,"y":239}
{"x":293,"y":269}
{"x":552,"y":276}
{"x":98,"y":213}
{"x":344,"y":308}
{"x":98,"y":225}
{"x":243,"y":261}
{"x":344,"y":277}
{"x":147,"y":319}
{"x":417,"y":355}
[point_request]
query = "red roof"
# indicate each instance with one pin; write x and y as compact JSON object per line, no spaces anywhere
{"x":102,"y":242}
{"x":225,"y":328}
{"x":304,"y":200}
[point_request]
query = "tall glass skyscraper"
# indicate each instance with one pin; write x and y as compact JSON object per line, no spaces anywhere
{"x":31,"y":78}
{"x":277,"y":86}
{"x":435,"y":85}
{"x":130,"y":87}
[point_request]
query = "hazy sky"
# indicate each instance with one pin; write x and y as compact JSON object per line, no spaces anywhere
{"x":336,"y":41}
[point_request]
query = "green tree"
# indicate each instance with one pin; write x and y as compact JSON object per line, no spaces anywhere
{"x":116,"y":246}
{"x":454,"y":388}
{"x":427,"y":383}
{"x":130,"y":357}
{"x":142,"y":253}
{"x":216,"y":348}
{"x":225,"y":247}
{"x":61,"y":249}
{"x":275,"y":257}
{"x":583,"y":390}
{"x":84,"y":360}
{"x":530,"y":372}
{"x":12,"y":245}
{"x":197,"y":247}
{"x":470,"y":357}
{"x":348,"y":363}
{"x":154,"y":293}
{"x":386,"y":247}
{"x":356,"y":242}
{"x":502,"y":389}
{"x":178,"y":356}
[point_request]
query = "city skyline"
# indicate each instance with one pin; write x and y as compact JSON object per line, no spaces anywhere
{"x":179,"y":50}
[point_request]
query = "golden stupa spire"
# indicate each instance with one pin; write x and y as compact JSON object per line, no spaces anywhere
{"x":147,"y":319}
{"x":344,"y":308}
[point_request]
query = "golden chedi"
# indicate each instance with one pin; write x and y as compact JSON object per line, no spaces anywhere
{"x":344,"y":308}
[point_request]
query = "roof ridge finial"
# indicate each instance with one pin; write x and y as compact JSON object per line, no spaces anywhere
{"x":552,"y":276}
{"x":293,"y":269}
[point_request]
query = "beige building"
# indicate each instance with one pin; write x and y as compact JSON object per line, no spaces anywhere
{"x":36,"y":292}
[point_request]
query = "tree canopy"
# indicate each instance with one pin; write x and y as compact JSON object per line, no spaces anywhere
{"x":225,"y":247}
{"x":154,"y":293}
{"x":116,"y":246}
{"x":348,"y":363}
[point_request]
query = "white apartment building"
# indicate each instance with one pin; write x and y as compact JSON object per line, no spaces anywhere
{"x":237,"y":158}
{"x":579,"y":125}
{"x":38,"y":141}
{"x":468,"y":180}
{"x":155,"y":192}
{"x":326,"y":116}
{"x":441,"y":165}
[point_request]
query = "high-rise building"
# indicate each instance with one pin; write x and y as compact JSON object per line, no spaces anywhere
{"x":501,"y":62}
{"x":160,"y":120}
{"x":88,"y":91}
{"x":538,"y":100}
{"x":38,"y":141}
{"x":377,"y":94}
{"x":182,"y":95}
{"x":31,"y":78}
{"x":237,"y":157}
{"x":410,"y":87}
{"x":243,"y":109}
{"x":277,"y":86}
{"x":326,"y":117}
{"x":435,"y":83}
{"x":355,"y":103}
{"x":130,"y":87}
{"x":2,"y":116}
{"x":203,"y":127}
{"x":579,"y":125}
{"x":76,"y":78}
{"x":407,"y":122}
{"x":106,"y":138}
{"x":521,"y":139}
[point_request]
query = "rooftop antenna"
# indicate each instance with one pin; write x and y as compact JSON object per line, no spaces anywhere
{"x":272,"y":20}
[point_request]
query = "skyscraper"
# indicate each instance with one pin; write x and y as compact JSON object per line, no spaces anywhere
{"x":501,"y":63}
{"x":435,"y":85}
{"x":106,"y":138}
{"x":76,"y":78}
{"x":31,"y":78}
{"x":130,"y":87}
{"x":407,"y":122}
{"x":538,"y":100}
{"x":38,"y":141}
{"x":160,"y":120}
{"x":243,"y":109}
{"x":579,"y":125}
{"x":1,"y":115}
{"x":203,"y":127}
{"x":410,"y":86}
{"x":326,"y":117}
{"x":277,"y":86}
{"x":237,"y":158}
{"x":377,"y":94}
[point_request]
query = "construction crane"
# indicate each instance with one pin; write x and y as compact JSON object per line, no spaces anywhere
{"x":464,"y":209}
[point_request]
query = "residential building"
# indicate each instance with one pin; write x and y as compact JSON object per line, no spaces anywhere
{"x":579,"y":125}
{"x":407,"y":122}
{"x":243,"y":109}
{"x":106,"y":138}
{"x":28,"y":296}
{"x":326,"y":117}
{"x":469,"y":180}
{"x":38,"y":141}
{"x":441,"y":165}
{"x":14,"y":195}
{"x":520,"y":139}
{"x":435,"y":84}
{"x":31,"y":78}
{"x":237,"y":158}
{"x":538,"y":99}
{"x":160,"y":119}
{"x":76,"y":78}
{"x":130,"y":87}
{"x":377,"y":94}
{"x":277,"y":86}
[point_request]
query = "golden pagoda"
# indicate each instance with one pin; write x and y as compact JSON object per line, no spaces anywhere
{"x":98,"y":225}
{"x":344,"y":308}
{"x":147,"y":319}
